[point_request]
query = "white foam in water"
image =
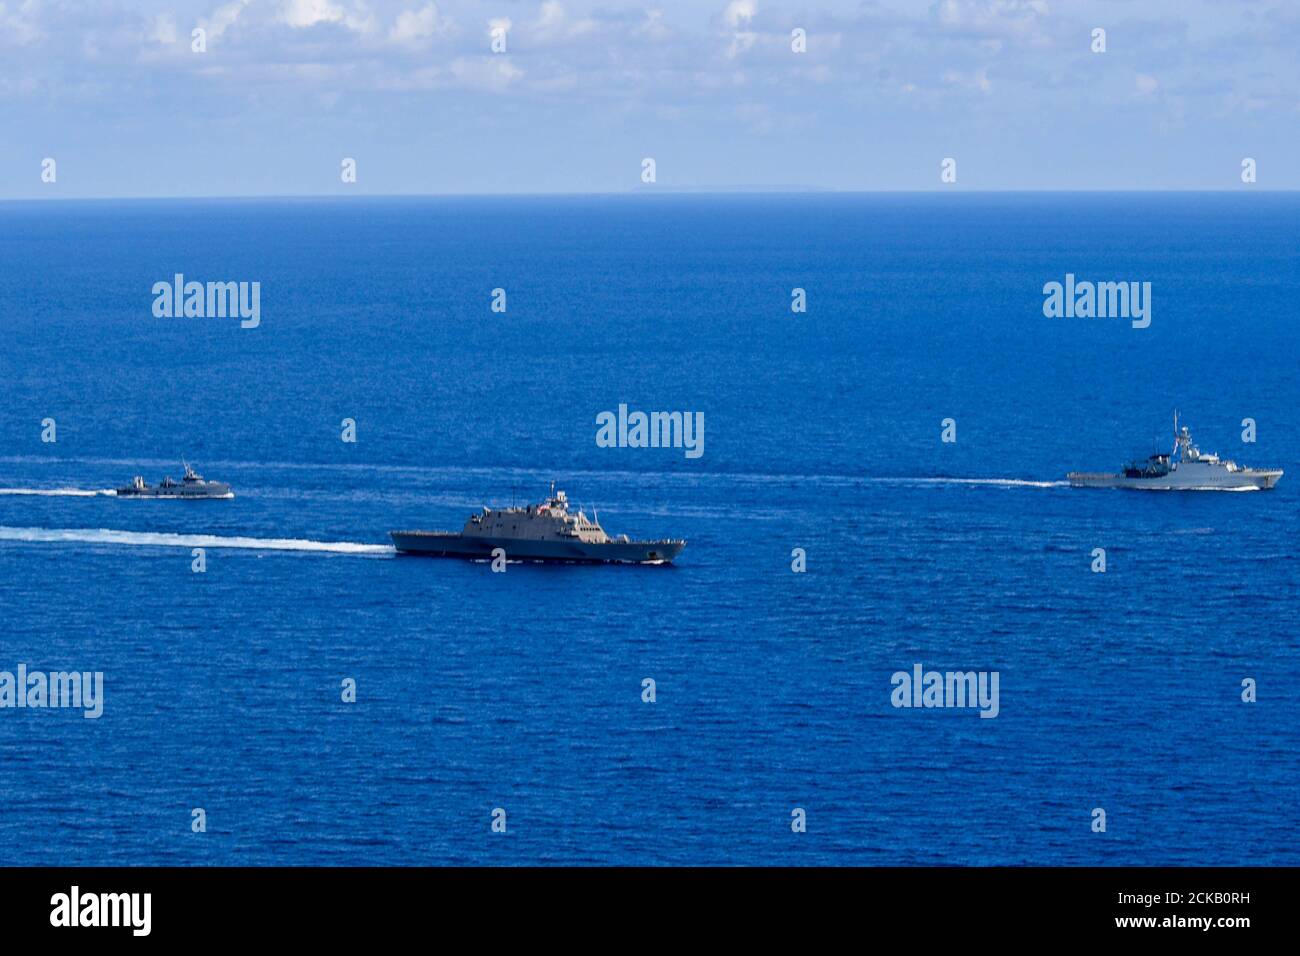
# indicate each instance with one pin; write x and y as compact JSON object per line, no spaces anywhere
{"x":58,"y":492}
{"x":997,"y":482}
{"x":167,"y":540}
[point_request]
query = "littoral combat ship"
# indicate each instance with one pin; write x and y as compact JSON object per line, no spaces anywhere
{"x":1186,"y":468}
{"x":544,"y":532}
{"x":192,"y":485}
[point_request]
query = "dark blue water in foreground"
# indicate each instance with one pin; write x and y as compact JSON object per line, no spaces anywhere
{"x":523,"y":690}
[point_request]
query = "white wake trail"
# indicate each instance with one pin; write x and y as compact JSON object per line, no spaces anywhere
{"x":168,"y":540}
{"x":996,"y":482}
{"x":59,"y":492}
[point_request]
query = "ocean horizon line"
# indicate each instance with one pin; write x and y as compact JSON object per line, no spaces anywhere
{"x":645,"y":193}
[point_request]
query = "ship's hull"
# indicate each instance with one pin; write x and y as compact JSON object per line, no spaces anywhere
{"x":213,"y":489}
{"x":1247,"y":479}
{"x":442,"y":544}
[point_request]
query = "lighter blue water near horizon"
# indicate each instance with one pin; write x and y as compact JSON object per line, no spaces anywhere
{"x":522,"y":690}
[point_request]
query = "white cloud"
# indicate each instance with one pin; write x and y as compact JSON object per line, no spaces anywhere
{"x":976,"y":80}
{"x":1146,"y":85}
{"x":818,"y":73}
{"x":653,"y":27}
{"x":738,"y":11}
{"x":1006,"y":18}
{"x":485,"y":72}
{"x":415,"y":26}
{"x":301,"y":14}
{"x":20,"y":24}
{"x":222,"y":18}
{"x":307,"y":13}
{"x":556,"y":24}
{"x":164,"y":29}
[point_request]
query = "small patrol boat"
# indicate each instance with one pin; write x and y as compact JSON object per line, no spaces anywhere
{"x":192,"y":485}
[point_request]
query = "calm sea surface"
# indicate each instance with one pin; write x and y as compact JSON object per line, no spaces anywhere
{"x":522,"y":690}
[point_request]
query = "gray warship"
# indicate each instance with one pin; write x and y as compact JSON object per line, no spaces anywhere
{"x":543,"y":532}
{"x":1186,"y":468}
{"x":192,"y":485}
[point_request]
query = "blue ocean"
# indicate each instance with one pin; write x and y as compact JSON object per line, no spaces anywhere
{"x":522,"y":691}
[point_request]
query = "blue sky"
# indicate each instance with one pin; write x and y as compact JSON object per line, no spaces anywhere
{"x":585,"y":90}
